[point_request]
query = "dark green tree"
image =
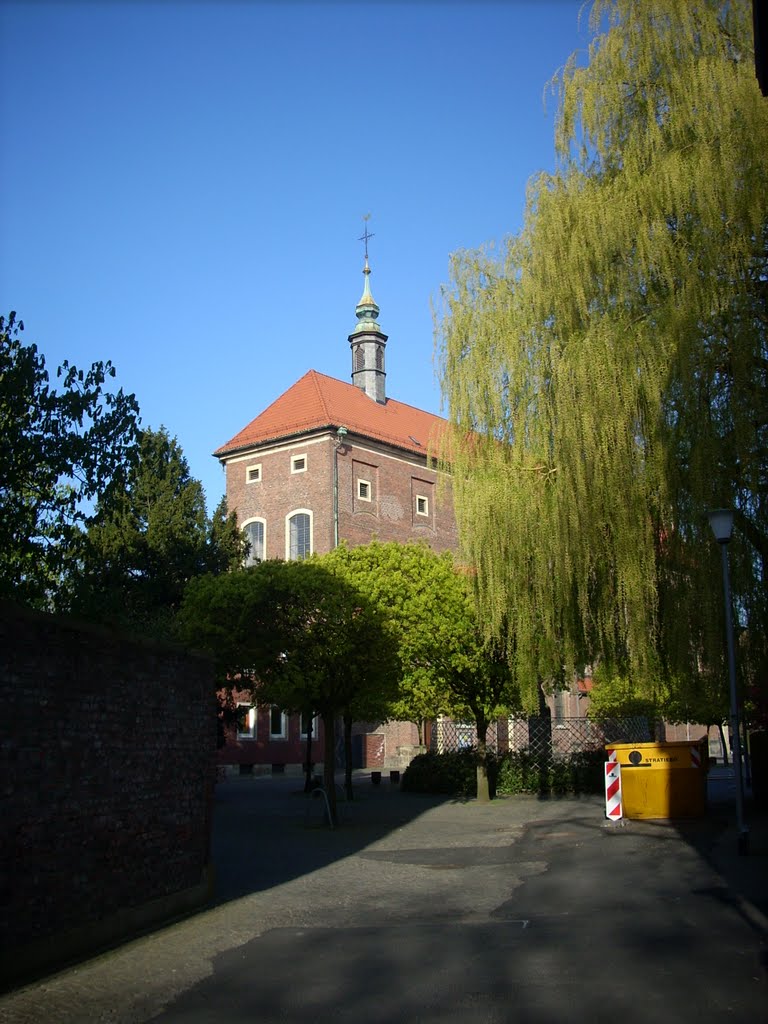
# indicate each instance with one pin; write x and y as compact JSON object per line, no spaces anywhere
{"x":59,"y":450}
{"x":150,"y":538}
{"x":297,"y":636}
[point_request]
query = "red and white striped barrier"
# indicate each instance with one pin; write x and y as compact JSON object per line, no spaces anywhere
{"x":695,"y":757}
{"x":613,"y":809}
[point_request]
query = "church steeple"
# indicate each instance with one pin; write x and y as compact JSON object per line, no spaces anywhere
{"x":367,"y":340}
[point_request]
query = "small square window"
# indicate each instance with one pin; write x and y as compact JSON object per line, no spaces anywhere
{"x":253,"y":474}
{"x":422,"y":505}
{"x":298,"y":463}
{"x":364,"y":490}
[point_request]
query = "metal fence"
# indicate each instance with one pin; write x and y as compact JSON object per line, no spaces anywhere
{"x":545,"y":740}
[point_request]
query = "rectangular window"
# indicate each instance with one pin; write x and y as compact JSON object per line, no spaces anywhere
{"x":278,"y":724}
{"x":246,"y":722}
{"x":253,"y":474}
{"x":306,"y":721}
{"x":422,"y":505}
{"x":364,"y":490}
{"x":298,"y":463}
{"x":559,"y":704}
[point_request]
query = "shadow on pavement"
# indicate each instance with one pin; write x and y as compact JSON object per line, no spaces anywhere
{"x":564,"y":916}
{"x":268,"y":831}
{"x":744,"y":877}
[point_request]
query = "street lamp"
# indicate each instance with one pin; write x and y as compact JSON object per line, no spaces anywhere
{"x":721,"y":521}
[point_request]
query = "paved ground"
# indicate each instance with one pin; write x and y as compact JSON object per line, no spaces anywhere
{"x":424,"y":910}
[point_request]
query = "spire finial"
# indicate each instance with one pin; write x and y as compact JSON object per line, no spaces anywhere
{"x":364,"y":237}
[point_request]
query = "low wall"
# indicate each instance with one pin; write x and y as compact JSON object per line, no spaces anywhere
{"x":107,"y":750}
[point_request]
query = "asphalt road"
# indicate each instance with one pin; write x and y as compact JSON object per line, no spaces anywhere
{"x":424,"y":910}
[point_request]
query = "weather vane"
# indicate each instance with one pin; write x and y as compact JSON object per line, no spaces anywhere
{"x":367,"y":235}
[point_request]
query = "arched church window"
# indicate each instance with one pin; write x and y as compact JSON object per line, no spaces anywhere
{"x":254,"y":534}
{"x":299,"y":535}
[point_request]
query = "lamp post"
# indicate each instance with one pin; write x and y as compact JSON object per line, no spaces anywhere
{"x":721,"y":521}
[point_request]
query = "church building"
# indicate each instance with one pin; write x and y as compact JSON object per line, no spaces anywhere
{"x":332,"y":461}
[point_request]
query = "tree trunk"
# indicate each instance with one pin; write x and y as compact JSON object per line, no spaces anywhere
{"x":483,"y":789}
{"x":419,"y":723}
{"x":329,"y":784}
{"x":348,"y":756}
{"x":722,"y":742}
{"x":308,"y":761}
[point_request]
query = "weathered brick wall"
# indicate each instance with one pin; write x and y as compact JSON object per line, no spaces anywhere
{"x":107,"y":749}
{"x":280,"y":492}
{"x":395,"y":478}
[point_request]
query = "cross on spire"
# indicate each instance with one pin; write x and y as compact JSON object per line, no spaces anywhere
{"x":366,"y":236}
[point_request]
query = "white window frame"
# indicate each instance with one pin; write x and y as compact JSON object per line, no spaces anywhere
{"x":288,"y":518}
{"x":256,"y":519}
{"x":283,"y":734}
{"x":364,"y":484}
{"x":422,"y":498}
{"x":315,"y":725}
{"x":253,"y":473}
{"x":295,"y":459}
{"x":250,"y":732}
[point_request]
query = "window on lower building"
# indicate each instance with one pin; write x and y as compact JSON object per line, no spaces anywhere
{"x":298,"y":463}
{"x":246,"y":722}
{"x":306,"y":721}
{"x":253,"y":474}
{"x":278,"y":724}
{"x":422,"y":505}
{"x":299,"y":535}
{"x":254,"y":534}
{"x":364,"y":490}
{"x":560,"y":704}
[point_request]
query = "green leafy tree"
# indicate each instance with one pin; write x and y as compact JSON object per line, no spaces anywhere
{"x":59,"y":450}
{"x":148,"y":539}
{"x":606,"y":374}
{"x":298,"y":636}
{"x":447,"y":667}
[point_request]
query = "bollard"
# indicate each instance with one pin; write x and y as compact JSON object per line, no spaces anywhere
{"x":376,"y":778}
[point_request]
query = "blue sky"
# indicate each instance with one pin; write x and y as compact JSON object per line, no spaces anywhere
{"x":183,"y":184}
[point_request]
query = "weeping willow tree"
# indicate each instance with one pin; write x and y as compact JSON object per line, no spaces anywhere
{"x":605,"y":374}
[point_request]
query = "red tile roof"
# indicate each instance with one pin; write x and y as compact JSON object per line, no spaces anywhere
{"x":318,"y":402}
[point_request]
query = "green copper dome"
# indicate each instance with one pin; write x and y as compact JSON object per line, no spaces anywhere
{"x":366,"y":310}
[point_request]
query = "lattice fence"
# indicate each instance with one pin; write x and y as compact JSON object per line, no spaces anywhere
{"x":545,"y":740}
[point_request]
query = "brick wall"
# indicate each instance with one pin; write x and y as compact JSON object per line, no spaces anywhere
{"x":107,"y":748}
{"x":279,"y":491}
{"x":257,"y":745}
{"x":396,"y":479}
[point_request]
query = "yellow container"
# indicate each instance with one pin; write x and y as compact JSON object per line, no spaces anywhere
{"x":662,"y":780}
